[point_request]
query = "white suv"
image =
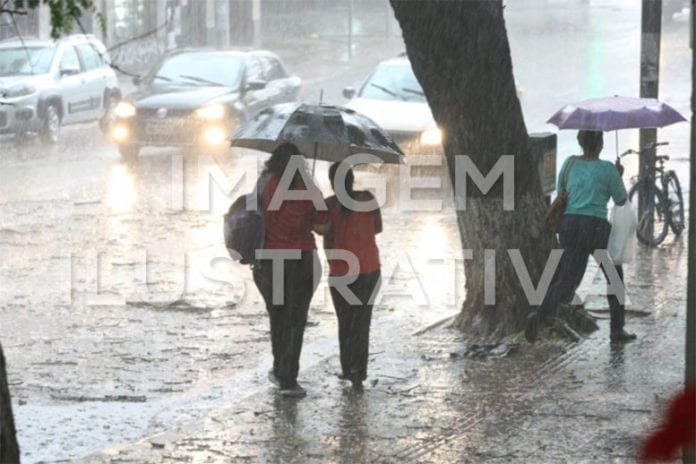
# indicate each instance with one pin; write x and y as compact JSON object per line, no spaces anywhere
{"x":393,"y":98}
{"x":46,"y":84}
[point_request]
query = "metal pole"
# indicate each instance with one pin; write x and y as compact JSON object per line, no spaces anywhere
{"x":316,"y":144}
{"x":350,"y":29}
{"x":387,"y":18}
{"x":104,"y":34}
{"x":256,"y":19}
{"x":222,"y":23}
{"x":314,"y":158}
{"x":651,"y":26}
{"x":690,"y":355}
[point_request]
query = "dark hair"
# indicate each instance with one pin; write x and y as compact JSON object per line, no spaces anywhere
{"x":347,"y":181}
{"x":279,"y":160}
{"x":590,"y":141}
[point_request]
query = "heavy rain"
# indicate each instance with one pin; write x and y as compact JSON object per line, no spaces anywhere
{"x":132,"y":332}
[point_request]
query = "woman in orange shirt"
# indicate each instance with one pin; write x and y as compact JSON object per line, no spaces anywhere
{"x":349,"y":228}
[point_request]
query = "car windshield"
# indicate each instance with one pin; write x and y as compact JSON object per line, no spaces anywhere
{"x":25,"y":60}
{"x":393,"y":82}
{"x":200,"y":69}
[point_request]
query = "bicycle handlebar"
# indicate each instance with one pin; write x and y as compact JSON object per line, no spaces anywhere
{"x":647,"y":147}
{"x":652,"y":145}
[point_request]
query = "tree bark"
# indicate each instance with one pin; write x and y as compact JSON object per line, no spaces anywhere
{"x":460,"y":54}
{"x":9,"y":449}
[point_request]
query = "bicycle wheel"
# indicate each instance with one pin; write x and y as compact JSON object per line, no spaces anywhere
{"x":656,"y":214}
{"x":676,"y":203}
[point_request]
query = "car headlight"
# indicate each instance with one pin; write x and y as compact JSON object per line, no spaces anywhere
{"x":19,"y":91}
{"x":215,"y":136}
{"x":124,"y":110}
{"x":431,"y":136}
{"x":120,"y":133}
{"x":211,"y":112}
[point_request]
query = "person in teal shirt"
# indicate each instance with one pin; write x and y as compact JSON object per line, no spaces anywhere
{"x":584,"y":228}
{"x":591,"y":182}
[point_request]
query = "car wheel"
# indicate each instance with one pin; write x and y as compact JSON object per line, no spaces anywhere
{"x":107,"y":120}
{"x":129,"y":152}
{"x":50,"y":127}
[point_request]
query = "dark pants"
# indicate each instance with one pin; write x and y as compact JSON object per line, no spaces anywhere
{"x":580,"y":236}
{"x":354,"y":324}
{"x":288,"y":319}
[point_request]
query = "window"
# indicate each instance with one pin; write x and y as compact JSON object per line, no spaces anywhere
{"x":254,"y":69}
{"x":200,"y":69}
{"x":272,"y":68}
{"x":90,"y":57}
{"x":393,"y":82}
{"x":25,"y":61}
{"x":70,"y":60}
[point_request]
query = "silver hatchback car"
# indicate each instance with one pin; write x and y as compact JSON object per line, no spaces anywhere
{"x":46,"y":84}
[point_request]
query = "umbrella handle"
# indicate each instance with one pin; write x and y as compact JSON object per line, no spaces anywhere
{"x":314,"y":158}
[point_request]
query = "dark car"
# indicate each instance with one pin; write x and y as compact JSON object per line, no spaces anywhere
{"x":196,"y":98}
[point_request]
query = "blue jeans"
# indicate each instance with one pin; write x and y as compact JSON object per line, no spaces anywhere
{"x":580,"y":236}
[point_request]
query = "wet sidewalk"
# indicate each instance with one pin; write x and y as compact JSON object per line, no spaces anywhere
{"x":423,"y":403}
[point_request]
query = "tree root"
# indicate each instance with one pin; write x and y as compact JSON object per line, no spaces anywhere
{"x":578,"y":318}
{"x":572,"y":322}
{"x":565,"y":330}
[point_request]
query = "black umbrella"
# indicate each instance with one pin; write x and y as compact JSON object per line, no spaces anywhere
{"x":324,"y":132}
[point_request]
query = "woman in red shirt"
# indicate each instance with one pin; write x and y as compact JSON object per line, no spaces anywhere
{"x":288,"y":235}
{"x":349,"y":228}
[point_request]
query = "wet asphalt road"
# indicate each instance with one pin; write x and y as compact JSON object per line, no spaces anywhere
{"x":125,"y":314}
{"x":121,"y":316}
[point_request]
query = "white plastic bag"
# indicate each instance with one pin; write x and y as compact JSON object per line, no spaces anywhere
{"x":622,"y":239}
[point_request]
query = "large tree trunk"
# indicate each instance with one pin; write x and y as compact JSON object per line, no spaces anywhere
{"x":9,"y":450}
{"x":460,"y":54}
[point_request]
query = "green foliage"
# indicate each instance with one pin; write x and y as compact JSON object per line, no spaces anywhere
{"x":553,"y":337}
{"x":516,"y":337}
{"x":65,"y":14}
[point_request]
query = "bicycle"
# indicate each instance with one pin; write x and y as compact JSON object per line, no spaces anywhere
{"x":665,"y":205}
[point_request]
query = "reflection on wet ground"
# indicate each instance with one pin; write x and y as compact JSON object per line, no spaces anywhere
{"x":589,"y":401}
{"x":126,"y":326}
{"x":126,"y":321}
{"x":139,"y":300}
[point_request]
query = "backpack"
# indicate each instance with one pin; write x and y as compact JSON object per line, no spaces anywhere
{"x":243,"y":225}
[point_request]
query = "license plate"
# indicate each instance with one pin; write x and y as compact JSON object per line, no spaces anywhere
{"x":158,"y":128}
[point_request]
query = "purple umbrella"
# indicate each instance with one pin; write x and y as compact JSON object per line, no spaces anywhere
{"x":613,"y":113}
